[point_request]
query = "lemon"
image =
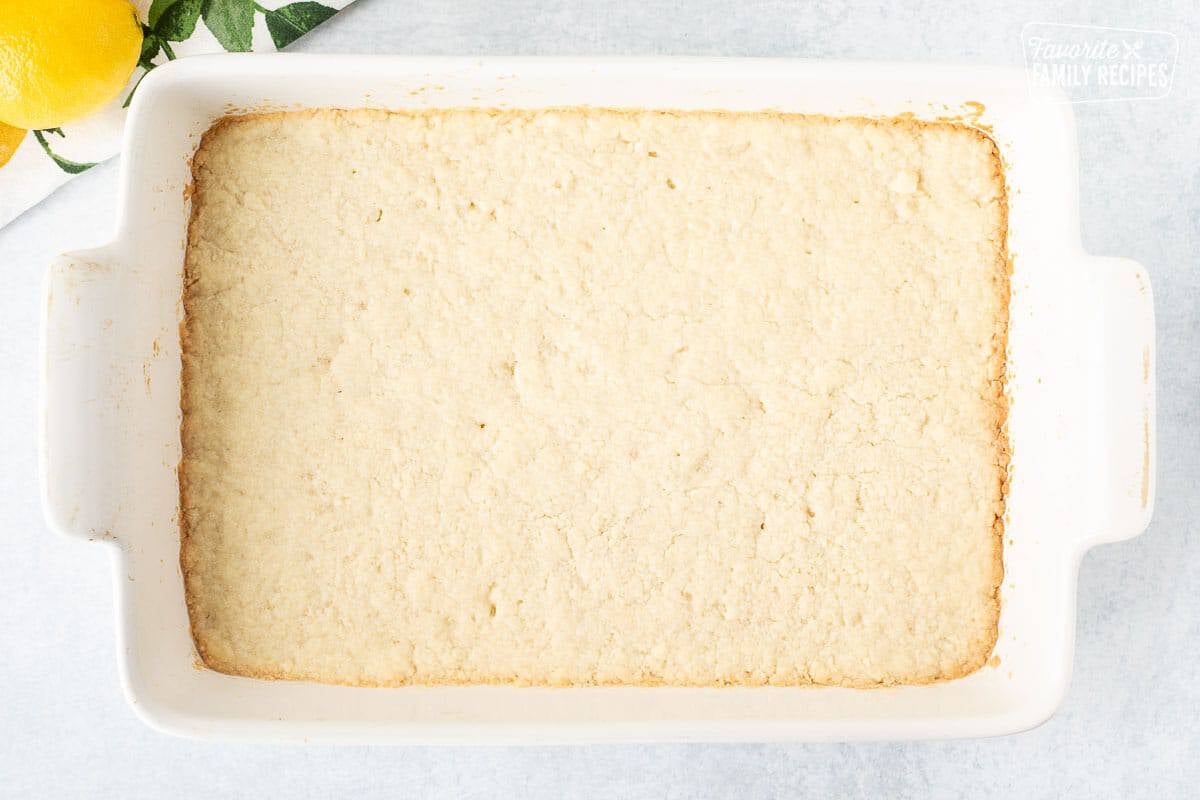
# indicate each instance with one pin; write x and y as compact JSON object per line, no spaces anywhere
{"x":10,"y":139}
{"x":63,"y":60}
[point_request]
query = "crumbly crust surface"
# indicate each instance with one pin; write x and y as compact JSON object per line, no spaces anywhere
{"x":581,"y":396}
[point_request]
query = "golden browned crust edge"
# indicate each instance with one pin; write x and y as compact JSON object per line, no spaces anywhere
{"x":185,"y":561}
{"x":1000,"y":400}
{"x":999,"y":362}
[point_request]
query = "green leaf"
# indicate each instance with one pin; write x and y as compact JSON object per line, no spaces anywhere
{"x":176,"y":19}
{"x":65,"y":164}
{"x":150,"y":48}
{"x":288,"y":23}
{"x":156,"y":10}
{"x":231,"y":22}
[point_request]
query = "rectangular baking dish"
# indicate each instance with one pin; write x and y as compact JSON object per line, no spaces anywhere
{"x":1080,"y":380}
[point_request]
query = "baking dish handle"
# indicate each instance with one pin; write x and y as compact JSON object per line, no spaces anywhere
{"x":80,"y":330}
{"x":1123,"y":390}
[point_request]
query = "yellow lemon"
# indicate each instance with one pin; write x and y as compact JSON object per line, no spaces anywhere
{"x":10,"y":138}
{"x":63,"y":60}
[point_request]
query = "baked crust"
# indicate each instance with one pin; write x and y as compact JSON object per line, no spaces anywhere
{"x":293,"y":573}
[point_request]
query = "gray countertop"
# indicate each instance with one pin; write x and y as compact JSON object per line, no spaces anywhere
{"x":1130,"y":725}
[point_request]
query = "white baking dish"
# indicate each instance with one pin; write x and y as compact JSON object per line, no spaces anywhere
{"x":1081,"y":378}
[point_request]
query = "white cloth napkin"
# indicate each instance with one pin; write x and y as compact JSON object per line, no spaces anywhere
{"x":173,"y":29}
